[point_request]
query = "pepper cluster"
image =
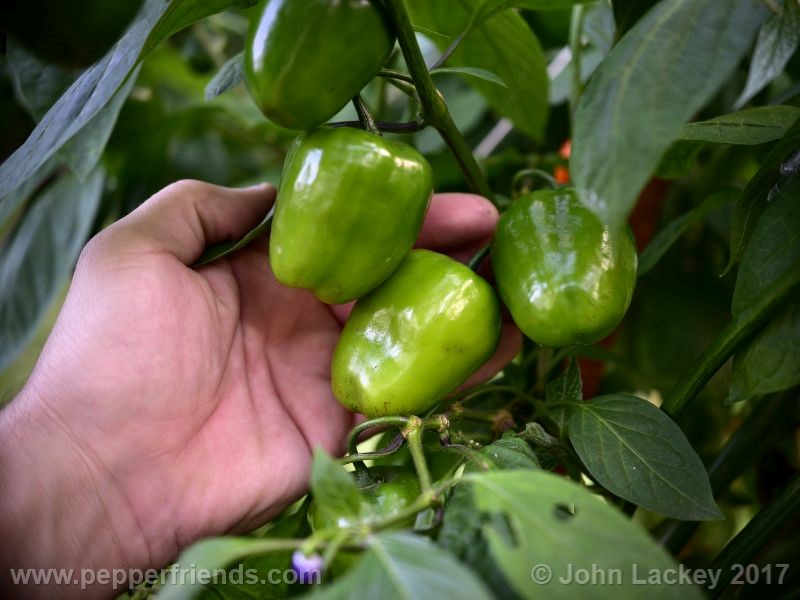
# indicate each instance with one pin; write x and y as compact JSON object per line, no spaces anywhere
{"x":351,"y":205}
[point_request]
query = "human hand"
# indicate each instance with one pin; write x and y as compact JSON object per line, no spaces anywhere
{"x":171,"y":403}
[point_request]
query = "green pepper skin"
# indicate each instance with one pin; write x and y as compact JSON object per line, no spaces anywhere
{"x":305,"y":59}
{"x":350,"y":206}
{"x":415,"y":338}
{"x":565,"y":277}
{"x":70,"y":33}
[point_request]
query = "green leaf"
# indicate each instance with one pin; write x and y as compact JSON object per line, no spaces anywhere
{"x":504,"y":45}
{"x":637,"y":452}
{"x":84,"y":150}
{"x":628,"y":12}
{"x":508,"y":453}
{"x":216,"y":251}
{"x":678,"y":160}
{"x":771,"y":361}
{"x":96,"y":86}
{"x":755,"y":196}
{"x":472,"y":72}
{"x":775,"y":45}
{"x":747,"y":127}
{"x":239,"y":584}
{"x":37,"y":84}
{"x":229,"y":75}
{"x":490,"y":8}
{"x":566,"y":388}
{"x":774,"y":249}
{"x":672,"y":232}
{"x":461,"y":535}
{"x":40,"y":255}
{"x":558,"y":528}
{"x":210,"y":554}
{"x":333,"y":488}
{"x":11,"y":203}
{"x":402,"y":565}
{"x":659,"y":74}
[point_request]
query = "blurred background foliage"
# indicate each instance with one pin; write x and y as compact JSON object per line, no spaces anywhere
{"x":166,"y":130}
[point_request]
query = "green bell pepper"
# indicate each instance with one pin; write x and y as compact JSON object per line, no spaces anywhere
{"x":565,"y":277}
{"x":349,"y":208}
{"x":305,"y":59}
{"x":415,"y":338}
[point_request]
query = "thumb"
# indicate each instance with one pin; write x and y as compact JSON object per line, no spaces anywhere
{"x":186,"y":216}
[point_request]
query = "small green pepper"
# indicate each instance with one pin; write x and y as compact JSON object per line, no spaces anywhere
{"x":415,"y":338}
{"x":349,"y":208}
{"x":305,"y":59}
{"x":565,"y":277}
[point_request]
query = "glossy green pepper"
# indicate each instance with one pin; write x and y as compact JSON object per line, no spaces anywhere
{"x":69,"y":33}
{"x":565,"y":277}
{"x":415,"y":338}
{"x":349,"y":208}
{"x":305,"y":59}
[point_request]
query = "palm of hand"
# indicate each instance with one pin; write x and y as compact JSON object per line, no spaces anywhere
{"x":202,"y":394}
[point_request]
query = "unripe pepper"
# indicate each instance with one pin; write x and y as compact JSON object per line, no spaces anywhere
{"x":415,"y":338}
{"x":349,"y":208}
{"x":565,"y":277}
{"x":305,"y":59}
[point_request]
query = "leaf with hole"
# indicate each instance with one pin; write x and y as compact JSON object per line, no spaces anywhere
{"x":404,"y":565}
{"x":558,"y":528}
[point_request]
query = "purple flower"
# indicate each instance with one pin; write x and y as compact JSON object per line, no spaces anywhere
{"x":308,"y":568}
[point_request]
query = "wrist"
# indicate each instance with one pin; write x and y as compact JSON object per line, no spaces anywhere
{"x":59,"y":509}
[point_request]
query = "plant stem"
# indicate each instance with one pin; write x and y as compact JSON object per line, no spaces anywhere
{"x":393,"y":446}
{"x":414,"y":438}
{"x":758,"y":532}
{"x":756,"y":434}
{"x":737,"y":331}
{"x":397,"y":75}
{"x":434,"y":108}
{"x":386,"y":126}
{"x":450,"y":49}
{"x":352,"y":440}
{"x":364,"y":116}
{"x":477,"y":258}
{"x":575,"y":34}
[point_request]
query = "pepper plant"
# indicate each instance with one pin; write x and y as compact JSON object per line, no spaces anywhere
{"x":644,"y":157}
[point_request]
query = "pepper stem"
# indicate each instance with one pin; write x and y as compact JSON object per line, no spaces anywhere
{"x":477,"y":258}
{"x":364,"y":116}
{"x":434,"y":108}
{"x":414,"y":439}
